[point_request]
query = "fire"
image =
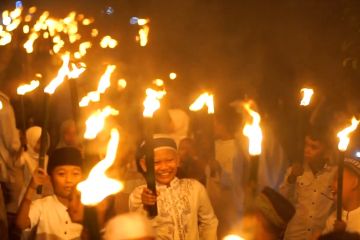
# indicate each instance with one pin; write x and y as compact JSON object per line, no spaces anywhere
{"x":152,"y":101}
{"x":108,"y":42}
{"x":253,"y":131}
{"x":307,"y":94}
{"x":76,"y":71}
{"x":23,"y":89}
{"x":343,"y":135}
{"x":82,"y":49}
{"x":122,"y":83}
{"x":96,"y":122}
{"x":62,"y":74}
{"x":159,"y":82}
{"x":204,"y":99}
{"x":233,"y":237}
{"x":98,"y":185}
{"x":143,"y":35}
{"x":1,"y":105}
{"x":172,"y":76}
{"x":104,"y":83}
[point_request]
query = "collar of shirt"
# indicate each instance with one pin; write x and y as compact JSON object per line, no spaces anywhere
{"x":173,"y":183}
{"x":327,"y":168}
{"x":60,"y":204}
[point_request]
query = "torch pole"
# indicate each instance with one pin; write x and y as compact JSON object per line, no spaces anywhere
{"x":302,"y":128}
{"x":23,"y":121}
{"x":340,"y":185}
{"x":75,"y":103}
{"x":91,"y":223}
{"x":149,"y":159}
{"x":43,"y":138}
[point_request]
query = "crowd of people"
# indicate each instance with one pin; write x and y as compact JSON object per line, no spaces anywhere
{"x":206,"y":187}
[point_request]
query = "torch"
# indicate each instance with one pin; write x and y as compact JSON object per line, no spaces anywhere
{"x":303,"y":120}
{"x":50,"y":89}
{"x":21,"y":91}
{"x":344,"y":141}
{"x":254,"y":134}
{"x":98,"y":186}
{"x":207,"y":99}
{"x":151,"y":104}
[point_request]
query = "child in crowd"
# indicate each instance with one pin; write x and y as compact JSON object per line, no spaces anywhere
{"x":49,"y":215}
{"x":68,"y":135}
{"x":184,"y":209}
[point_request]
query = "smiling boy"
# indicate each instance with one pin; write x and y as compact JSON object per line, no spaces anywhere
{"x":49,"y":215}
{"x":184,"y":209}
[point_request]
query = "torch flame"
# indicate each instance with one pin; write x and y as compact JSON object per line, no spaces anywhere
{"x":63,"y":72}
{"x":1,"y":105}
{"x":307,"y":94}
{"x":108,"y":42}
{"x":172,"y":76}
{"x":204,"y":99}
{"x":233,"y":237}
{"x":143,"y":35}
{"x":98,"y":185}
{"x":343,"y":135}
{"x":96,"y":122}
{"x":76,"y":71}
{"x":23,"y":89}
{"x":152,"y":101}
{"x":253,"y":131}
{"x":122,"y":84}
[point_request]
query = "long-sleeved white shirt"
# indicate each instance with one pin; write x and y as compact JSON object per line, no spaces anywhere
{"x":311,"y":198}
{"x":9,"y":138}
{"x":351,"y":218}
{"x":184,"y":211}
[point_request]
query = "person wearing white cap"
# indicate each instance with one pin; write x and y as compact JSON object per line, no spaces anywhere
{"x":184,"y":208}
{"x":129,"y":226}
{"x":350,"y":198}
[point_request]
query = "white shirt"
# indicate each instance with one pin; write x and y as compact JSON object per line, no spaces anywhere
{"x":311,"y":198}
{"x":52,"y":220}
{"x":184,"y":211}
{"x":352,"y":219}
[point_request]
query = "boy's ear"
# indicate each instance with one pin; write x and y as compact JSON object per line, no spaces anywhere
{"x":143,"y":164}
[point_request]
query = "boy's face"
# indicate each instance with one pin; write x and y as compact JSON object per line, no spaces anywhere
{"x":64,"y":179}
{"x":314,"y":150}
{"x":166,"y":162}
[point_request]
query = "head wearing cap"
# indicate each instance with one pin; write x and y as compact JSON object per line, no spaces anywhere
{"x":64,"y":156}
{"x":275,"y":208}
{"x":128,"y":226}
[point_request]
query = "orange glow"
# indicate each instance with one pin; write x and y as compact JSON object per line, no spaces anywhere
{"x":172,"y":76}
{"x":343,"y":135}
{"x":143,"y":35}
{"x":1,"y":105}
{"x":204,"y":99}
{"x":98,"y":185}
{"x":122,"y":83}
{"x":307,"y":94}
{"x":108,"y":42}
{"x":23,"y":89}
{"x":233,"y":237}
{"x":62,"y":73}
{"x":76,"y":71}
{"x":152,"y":102}
{"x":253,"y":131}
{"x":96,"y":122}
{"x":158,"y":82}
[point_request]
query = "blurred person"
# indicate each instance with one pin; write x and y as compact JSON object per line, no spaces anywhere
{"x":339,"y":235}
{"x":68,"y":135}
{"x":307,"y":186}
{"x":350,"y":199}
{"x":29,"y":160}
{"x":129,"y":226}
{"x":180,"y":124}
{"x":190,"y":165}
{"x":184,"y":209}
{"x":49,"y":216}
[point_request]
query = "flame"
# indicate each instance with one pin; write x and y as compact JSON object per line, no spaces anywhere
{"x":23,"y":89}
{"x":343,"y":135}
{"x":62,"y":73}
{"x":142,"y":21}
{"x":307,"y":94}
{"x":143,"y":35}
{"x":5,"y":37}
{"x":76,"y":71}
{"x":152,"y":101}
{"x":96,"y":122}
{"x":1,"y":105}
{"x":204,"y":99}
{"x":94,"y":32}
{"x":253,"y":131}
{"x":104,"y":83}
{"x":98,"y":185}
{"x":122,"y":83}
{"x":108,"y":42}
{"x":172,"y":76}
{"x":82,"y":49}
{"x":159,"y":82}
{"x":87,"y":21}
{"x":233,"y":237}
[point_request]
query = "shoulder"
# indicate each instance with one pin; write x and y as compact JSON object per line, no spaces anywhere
{"x":44,"y":202}
{"x":191,"y":183}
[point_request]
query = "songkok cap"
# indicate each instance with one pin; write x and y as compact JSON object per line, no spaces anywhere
{"x":128,"y":226}
{"x":274,"y":207}
{"x":64,"y":156}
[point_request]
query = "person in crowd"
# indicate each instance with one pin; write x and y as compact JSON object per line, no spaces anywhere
{"x":307,"y":185}
{"x":68,"y":135}
{"x":49,"y":215}
{"x":129,"y":226}
{"x":350,"y":199}
{"x":29,"y":160}
{"x":184,"y":209}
